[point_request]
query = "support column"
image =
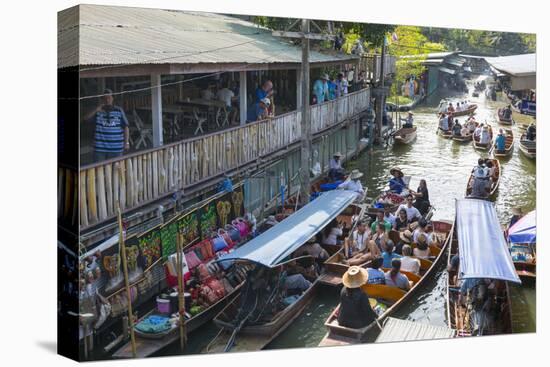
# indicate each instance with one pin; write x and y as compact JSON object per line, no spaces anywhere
{"x":298,"y":88}
{"x":242,"y":96}
{"x":156,"y":109}
{"x":305,"y":152}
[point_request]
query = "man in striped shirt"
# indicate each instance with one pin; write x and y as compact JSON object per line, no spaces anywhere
{"x":111,"y":129}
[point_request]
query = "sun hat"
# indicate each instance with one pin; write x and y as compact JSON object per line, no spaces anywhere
{"x":355,"y":174}
{"x":265,"y":101}
{"x":406,"y":236}
{"x":410,"y":113}
{"x":396,"y":169}
{"x":337,"y":154}
{"x":325,"y":77}
{"x":355,"y":277}
{"x":421,"y":238}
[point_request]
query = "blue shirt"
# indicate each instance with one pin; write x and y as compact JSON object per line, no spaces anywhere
{"x":109,"y":130}
{"x":388,"y":258}
{"x":397,"y":185}
{"x":331,"y":90}
{"x":260,"y":94}
{"x":376,"y":276}
{"x":500,"y":142}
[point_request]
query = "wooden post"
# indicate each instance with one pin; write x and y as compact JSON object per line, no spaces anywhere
{"x":298,"y":88}
{"x":305,"y":125}
{"x":242,"y":97}
{"x":181,"y":290}
{"x":156,"y":109}
{"x":126,"y":280}
{"x":380,"y":98}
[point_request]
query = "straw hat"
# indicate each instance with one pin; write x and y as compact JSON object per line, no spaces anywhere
{"x":355,"y":277}
{"x":517,"y":211}
{"x":325,"y":77}
{"x":394,"y":169}
{"x":406,"y":236}
{"x":337,"y":154}
{"x":355,"y":174}
{"x":413,"y":226}
{"x":421,"y":238}
{"x":410,"y":113}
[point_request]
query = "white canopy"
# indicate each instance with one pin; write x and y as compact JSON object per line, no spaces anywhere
{"x":482,"y":248}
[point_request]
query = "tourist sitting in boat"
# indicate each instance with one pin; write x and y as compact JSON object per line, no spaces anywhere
{"x":353,"y":184}
{"x":395,"y":278}
{"x":471,"y":124}
{"x":359,"y":238}
{"x":477,"y":131}
{"x":401,"y":220}
{"x":397,"y":184}
{"x":457,"y":128}
{"x":380,"y":218}
{"x":388,"y":255}
{"x":465,"y":131}
{"x":335,"y":169}
{"x":421,"y":229}
{"x":422,"y":249}
{"x":484,"y":137}
{"x":444,"y":122}
{"x":422,"y":197}
{"x":531,"y":132}
{"x":355,"y":310}
{"x":500,"y":141}
{"x":376,"y":276}
{"x":458,"y":107}
{"x":413,"y":214}
{"x":405,"y":238}
{"x":312,"y":248}
{"x":332,"y":232}
{"x":491,"y":170}
{"x":296,"y":281}
{"x":450,"y":109}
{"x":481,"y":184}
{"x":409,"y":263}
{"x":388,"y":216}
{"x":507,"y":112}
{"x":408,"y":120}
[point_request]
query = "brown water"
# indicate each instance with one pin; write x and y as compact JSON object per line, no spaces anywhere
{"x":445,"y":165}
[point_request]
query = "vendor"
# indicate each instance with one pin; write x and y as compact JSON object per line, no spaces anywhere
{"x":397,"y":184}
{"x":336,"y":171}
{"x":355,"y":310}
{"x":354,"y":184}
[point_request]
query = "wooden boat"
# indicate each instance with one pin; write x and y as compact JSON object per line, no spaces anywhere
{"x":503,"y":120}
{"x":463,"y":138}
{"x":528,"y":147}
{"x":446,"y":134}
{"x":256,"y":336}
{"x":147,"y":345}
{"x":246,"y":328}
{"x":470,"y":110}
{"x":509,"y":146}
{"x":526,"y":269}
{"x":464,"y":316}
{"x":477,"y":145}
{"x":405,"y":135}
{"x":495,"y":183}
{"x":392,"y":297}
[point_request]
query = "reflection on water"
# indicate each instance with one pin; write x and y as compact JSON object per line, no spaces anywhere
{"x":445,"y":166}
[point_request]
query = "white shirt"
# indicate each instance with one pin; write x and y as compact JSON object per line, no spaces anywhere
{"x":359,"y":241}
{"x":353,"y":186}
{"x":333,"y":164}
{"x":225,"y":95}
{"x":332,"y":238}
{"x":423,"y":254}
{"x":477,"y":131}
{"x":410,"y":264}
{"x":465,"y":131}
{"x":484,"y":137}
{"x":390,"y":218}
{"x":412,"y":212}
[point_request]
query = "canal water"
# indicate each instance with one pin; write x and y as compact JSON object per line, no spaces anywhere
{"x":445,"y":165}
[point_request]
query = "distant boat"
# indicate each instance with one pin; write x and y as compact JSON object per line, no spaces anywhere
{"x":405,"y":135}
{"x":503,"y":119}
{"x":528,"y":147}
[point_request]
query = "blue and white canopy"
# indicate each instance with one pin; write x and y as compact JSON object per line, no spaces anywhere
{"x":524,"y":230}
{"x":483,"y":250}
{"x":277,"y":243}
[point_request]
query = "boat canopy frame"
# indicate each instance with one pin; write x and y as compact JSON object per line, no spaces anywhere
{"x":274,"y":246}
{"x":483,"y":250}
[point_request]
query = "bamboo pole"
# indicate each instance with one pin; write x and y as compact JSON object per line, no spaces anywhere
{"x":181,"y":290}
{"x":126,"y":280}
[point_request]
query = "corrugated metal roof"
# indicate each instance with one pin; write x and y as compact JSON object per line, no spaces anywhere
{"x":517,"y":65}
{"x":396,"y":330}
{"x":110,"y":35}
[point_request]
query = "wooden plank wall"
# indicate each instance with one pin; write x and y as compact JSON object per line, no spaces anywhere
{"x":144,"y":177}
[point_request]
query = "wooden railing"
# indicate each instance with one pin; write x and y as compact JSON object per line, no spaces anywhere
{"x":146,"y":176}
